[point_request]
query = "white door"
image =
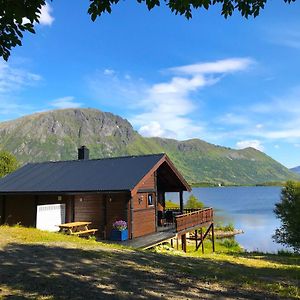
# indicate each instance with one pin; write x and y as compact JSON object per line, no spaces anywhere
{"x":49,"y":216}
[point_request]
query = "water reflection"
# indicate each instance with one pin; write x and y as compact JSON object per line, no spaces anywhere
{"x":248,"y":208}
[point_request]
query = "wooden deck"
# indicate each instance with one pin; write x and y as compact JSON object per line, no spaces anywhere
{"x":150,"y":240}
{"x":191,"y":220}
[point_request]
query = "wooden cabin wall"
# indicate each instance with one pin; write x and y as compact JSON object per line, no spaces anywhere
{"x":148,"y":183}
{"x":143,"y":214}
{"x":2,"y":210}
{"x":117,"y":209}
{"x":90,"y":208}
{"x":20,"y":209}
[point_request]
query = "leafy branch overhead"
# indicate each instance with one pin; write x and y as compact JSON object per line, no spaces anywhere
{"x":19,"y":16}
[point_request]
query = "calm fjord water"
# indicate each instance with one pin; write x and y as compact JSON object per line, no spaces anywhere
{"x":248,"y":208}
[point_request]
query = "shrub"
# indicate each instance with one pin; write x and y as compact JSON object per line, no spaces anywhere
{"x":228,"y":227}
{"x":193,"y":202}
{"x":171,"y":204}
{"x":8,"y":163}
{"x":288,"y":211}
{"x":230,"y":243}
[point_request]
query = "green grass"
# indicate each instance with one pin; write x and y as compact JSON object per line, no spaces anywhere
{"x":41,"y":265}
{"x":227,"y":227}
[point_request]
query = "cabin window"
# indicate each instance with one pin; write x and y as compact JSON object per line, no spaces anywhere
{"x":150,"y":199}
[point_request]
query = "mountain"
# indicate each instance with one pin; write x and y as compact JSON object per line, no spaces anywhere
{"x":296,"y":170}
{"x":56,"y":135}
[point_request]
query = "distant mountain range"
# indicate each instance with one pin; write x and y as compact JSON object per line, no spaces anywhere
{"x":56,"y":135}
{"x":296,"y":170}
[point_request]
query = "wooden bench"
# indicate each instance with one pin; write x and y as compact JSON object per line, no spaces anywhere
{"x":89,"y":231}
{"x":77,"y":228}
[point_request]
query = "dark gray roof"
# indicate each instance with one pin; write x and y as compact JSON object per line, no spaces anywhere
{"x":109,"y":174}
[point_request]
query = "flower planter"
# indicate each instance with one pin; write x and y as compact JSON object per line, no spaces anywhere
{"x":119,"y":235}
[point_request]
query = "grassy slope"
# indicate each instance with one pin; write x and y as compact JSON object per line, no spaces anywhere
{"x":205,"y":162}
{"x":41,"y":265}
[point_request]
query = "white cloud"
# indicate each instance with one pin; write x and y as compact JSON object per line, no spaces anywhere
{"x":285,"y":134}
{"x":115,"y":90}
{"x":167,"y":106}
{"x":164,"y":108}
{"x":152,"y":129}
{"x":216,"y":67}
{"x":109,"y":72}
{"x":12,"y":79}
{"x":233,"y":119}
{"x":45,"y":17}
{"x":256,"y":144}
{"x":65,"y":102}
{"x":282,"y":117}
{"x":9,"y":107}
{"x":284,"y":37}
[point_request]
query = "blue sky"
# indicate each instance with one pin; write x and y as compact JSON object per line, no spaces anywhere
{"x":231,"y":82}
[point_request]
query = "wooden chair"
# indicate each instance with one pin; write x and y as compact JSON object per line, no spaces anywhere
{"x":161,"y":220}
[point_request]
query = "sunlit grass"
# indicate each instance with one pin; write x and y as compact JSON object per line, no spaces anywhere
{"x":11,"y":234}
{"x":88,"y":265}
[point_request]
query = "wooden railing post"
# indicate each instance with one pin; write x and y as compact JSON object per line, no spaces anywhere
{"x":181,"y":201}
{"x":213,"y":236}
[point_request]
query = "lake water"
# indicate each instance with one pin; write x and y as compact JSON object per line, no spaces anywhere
{"x":248,"y":208}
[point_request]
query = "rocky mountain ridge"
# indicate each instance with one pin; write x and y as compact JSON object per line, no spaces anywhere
{"x":56,"y":135}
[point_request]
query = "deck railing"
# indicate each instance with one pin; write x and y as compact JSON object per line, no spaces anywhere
{"x":193,"y":219}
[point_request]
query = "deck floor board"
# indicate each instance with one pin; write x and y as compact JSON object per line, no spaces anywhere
{"x":148,"y":240}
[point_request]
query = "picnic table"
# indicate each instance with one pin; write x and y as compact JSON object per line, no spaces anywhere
{"x":77,"y":228}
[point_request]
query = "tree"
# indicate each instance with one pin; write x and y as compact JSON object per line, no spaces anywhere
{"x":170,"y":204}
{"x":288,"y":211}
{"x":193,"y":202}
{"x":8,"y":163}
{"x":18,"y":16}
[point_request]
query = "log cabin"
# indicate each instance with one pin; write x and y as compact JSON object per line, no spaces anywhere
{"x":101,"y":191}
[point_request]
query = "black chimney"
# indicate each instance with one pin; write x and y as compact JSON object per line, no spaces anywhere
{"x":83,"y":153}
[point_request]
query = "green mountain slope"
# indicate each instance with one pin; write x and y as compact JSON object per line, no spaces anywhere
{"x":56,"y":135}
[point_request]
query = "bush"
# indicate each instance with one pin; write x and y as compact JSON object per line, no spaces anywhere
{"x":193,"y":202}
{"x":171,"y":204}
{"x":228,"y":227}
{"x":288,"y":211}
{"x":8,"y":163}
{"x":230,"y":243}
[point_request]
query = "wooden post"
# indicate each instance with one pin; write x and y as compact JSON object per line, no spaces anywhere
{"x":202,"y":242}
{"x":73,"y":209}
{"x":177,"y":246}
{"x":196,"y":237}
{"x":131,"y":218}
{"x":181,"y":201}
{"x":155,"y":199}
{"x":172,"y":243}
{"x":2,"y":220}
{"x":36,"y":202}
{"x":183,"y":242}
{"x":213,"y":236}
